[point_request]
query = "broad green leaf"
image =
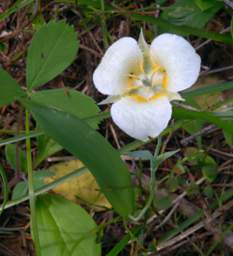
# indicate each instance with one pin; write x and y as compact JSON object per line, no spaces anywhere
{"x":52,"y":50}
{"x":21,"y":189}
{"x":12,"y":153}
{"x":10,"y":90}
{"x":65,"y":229}
{"x":69,"y":101}
{"x":187,"y":13}
{"x":93,"y":150}
{"x":183,"y":30}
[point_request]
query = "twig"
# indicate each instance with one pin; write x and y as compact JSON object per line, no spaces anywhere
{"x":94,"y":52}
{"x":229,"y":3}
{"x":205,"y":130}
{"x":209,"y":40}
{"x":195,"y":228}
{"x":166,"y":219}
{"x":217,"y":70}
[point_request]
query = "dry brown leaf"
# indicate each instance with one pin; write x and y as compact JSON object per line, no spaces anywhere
{"x":81,"y":189}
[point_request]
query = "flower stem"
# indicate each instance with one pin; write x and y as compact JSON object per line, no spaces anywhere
{"x":152,"y":184}
{"x":32,"y":198}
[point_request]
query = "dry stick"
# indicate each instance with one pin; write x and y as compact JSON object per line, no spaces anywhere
{"x":229,"y":3}
{"x":213,"y":71}
{"x":228,"y":240}
{"x":209,"y":40}
{"x":175,"y":201}
{"x":188,"y":209}
{"x":195,"y":228}
{"x":166,"y":219}
{"x":207,"y":129}
{"x":94,"y":52}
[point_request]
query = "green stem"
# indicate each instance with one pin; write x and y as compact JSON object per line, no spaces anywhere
{"x":46,"y":188}
{"x":5,"y":131}
{"x":32,"y":202}
{"x":103,"y":25}
{"x":153,"y":169}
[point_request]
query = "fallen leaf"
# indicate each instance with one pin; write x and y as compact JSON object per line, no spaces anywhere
{"x":81,"y":189}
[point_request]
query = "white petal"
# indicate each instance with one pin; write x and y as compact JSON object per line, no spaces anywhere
{"x":141,"y":120}
{"x":121,"y":58}
{"x":179,"y":59}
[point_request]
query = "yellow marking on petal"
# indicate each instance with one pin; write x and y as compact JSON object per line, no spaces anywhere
{"x":142,"y":99}
{"x":165,"y":81}
{"x":157,"y":95}
{"x":130,"y":82}
{"x":138,"y":98}
{"x":156,"y":67}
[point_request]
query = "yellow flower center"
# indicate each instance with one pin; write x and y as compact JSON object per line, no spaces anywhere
{"x":147,"y":86}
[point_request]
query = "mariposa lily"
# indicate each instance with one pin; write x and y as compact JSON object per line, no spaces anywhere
{"x":142,"y":79}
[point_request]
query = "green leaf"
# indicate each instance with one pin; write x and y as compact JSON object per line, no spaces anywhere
{"x":187,"y":13}
{"x":183,"y":30}
{"x":20,"y":190}
{"x":20,"y":138}
{"x":70,"y":101}
{"x":161,"y":158}
{"x":124,"y":241}
{"x":208,"y":191}
{"x":207,"y":4}
{"x":12,"y":152}
{"x":45,"y":148}
{"x":52,"y":50}
{"x":141,"y":154}
{"x":192,"y":127}
{"x":212,"y":88}
{"x":10,"y":90}
{"x":210,"y":172}
{"x":228,"y":137}
{"x":181,"y":113}
{"x":65,"y":228}
{"x":162,"y":202}
{"x":93,"y":150}
{"x":5,"y":188}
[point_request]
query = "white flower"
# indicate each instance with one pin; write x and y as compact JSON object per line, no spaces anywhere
{"x":142,"y":79}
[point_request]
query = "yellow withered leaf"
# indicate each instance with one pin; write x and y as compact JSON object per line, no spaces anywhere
{"x":80,"y":189}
